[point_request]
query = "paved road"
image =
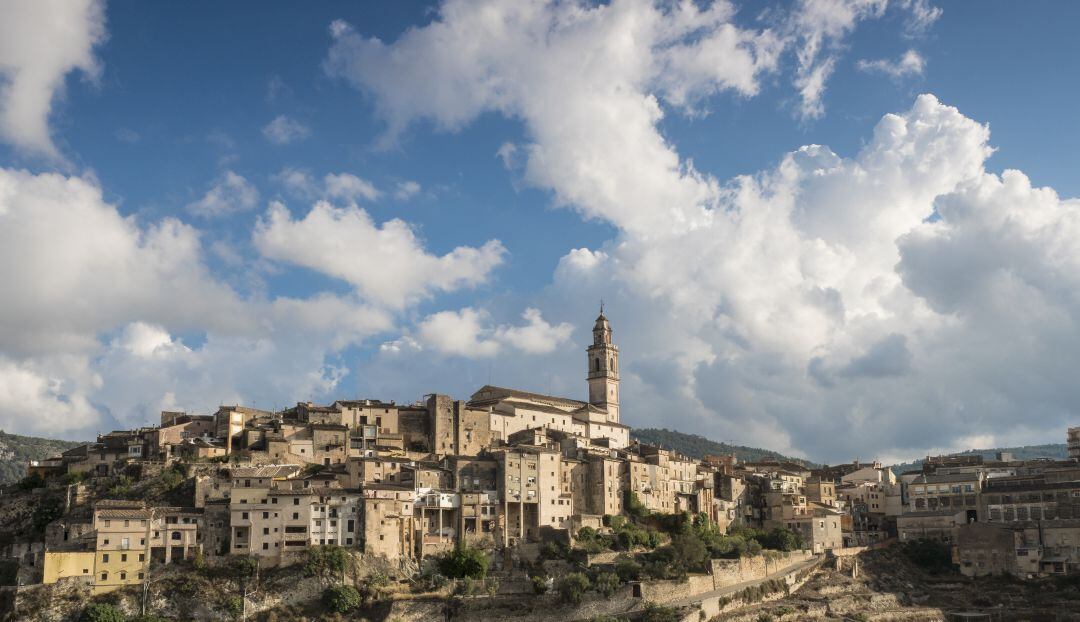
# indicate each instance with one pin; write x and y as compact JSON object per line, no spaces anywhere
{"x":736,"y":587}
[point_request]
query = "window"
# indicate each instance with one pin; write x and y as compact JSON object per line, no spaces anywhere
{"x":140,"y":576}
{"x":176,"y":535}
{"x":142,"y":557}
{"x":123,"y":576}
{"x":104,"y":576}
{"x":123,"y":557}
{"x":266,"y":531}
{"x":266,"y":546}
{"x":266,"y":514}
{"x":296,"y":501}
{"x":105,"y":558}
{"x":244,"y":516}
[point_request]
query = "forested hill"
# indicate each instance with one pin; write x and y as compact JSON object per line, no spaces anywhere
{"x":16,"y":450}
{"x":698,"y":446}
{"x":1056,"y":451}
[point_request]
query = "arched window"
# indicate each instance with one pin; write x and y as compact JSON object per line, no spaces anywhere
{"x":597,"y":366}
{"x":611,"y":365}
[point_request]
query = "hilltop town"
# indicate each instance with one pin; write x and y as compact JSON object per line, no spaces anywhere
{"x":506,"y":480}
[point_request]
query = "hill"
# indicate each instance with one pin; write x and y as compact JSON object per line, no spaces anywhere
{"x":697,"y":446}
{"x":16,"y":450}
{"x":1056,"y":451}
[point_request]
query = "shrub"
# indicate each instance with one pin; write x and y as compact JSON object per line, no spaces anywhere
{"x":32,"y":481}
{"x":234,"y":606}
{"x":627,"y":569}
{"x":657,"y":613}
{"x":540,"y":584}
{"x":781,"y":539}
{"x":633,"y":505}
{"x":689,"y":552}
{"x":102,"y":612}
{"x":929,"y":554}
{"x":572,"y":588}
{"x":464,"y":561}
{"x":121,"y":486}
{"x":327,"y":562}
{"x":342,"y":598}
{"x":607,"y":583}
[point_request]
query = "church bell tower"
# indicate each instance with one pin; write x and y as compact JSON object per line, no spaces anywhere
{"x":604,"y":369}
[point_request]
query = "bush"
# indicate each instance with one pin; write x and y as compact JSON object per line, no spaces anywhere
{"x":572,"y":588}
{"x":342,"y":598}
{"x":607,"y":583}
{"x":781,"y":539}
{"x":102,"y":612}
{"x":32,"y":481}
{"x":657,"y":613}
{"x":627,"y":569}
{"x":633,"y":505}
{"x":121,"y":486}
{"x":464,"y":561}
{"x":929,"y":554}
{"x":327,"y":562}
{"x":540,"y":584}
{"x":234,"y":607}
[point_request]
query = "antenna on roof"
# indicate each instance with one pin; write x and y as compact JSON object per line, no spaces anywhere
{"x":601,"y":306}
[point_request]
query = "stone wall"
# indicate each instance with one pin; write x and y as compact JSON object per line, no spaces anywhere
{"x":725,"y":572}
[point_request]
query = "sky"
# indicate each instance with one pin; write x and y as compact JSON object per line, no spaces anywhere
{"x":834,"y":228}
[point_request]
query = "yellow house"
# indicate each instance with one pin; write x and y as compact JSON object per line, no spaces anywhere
{"x":66,"y":564}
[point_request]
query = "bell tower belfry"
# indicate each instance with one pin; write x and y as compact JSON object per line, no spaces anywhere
{"x":604,"y":369}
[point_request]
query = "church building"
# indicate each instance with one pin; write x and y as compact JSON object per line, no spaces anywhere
{"x":514,"y":411}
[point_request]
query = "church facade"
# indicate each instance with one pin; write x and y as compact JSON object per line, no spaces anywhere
{"x":513,"y":411}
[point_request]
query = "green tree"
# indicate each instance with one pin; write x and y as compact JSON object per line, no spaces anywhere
{"x":627,"y":569}
{"x":342,"y":598}
{"x":327,"y":562}
{"x":102,"y":612}
{"x":689,"y":551}
{"x":657,"y":613}
{"x":782,"y":539}
{"x":607,"y":583}
{"x":464,"y":561}
{"x":572,"y":588}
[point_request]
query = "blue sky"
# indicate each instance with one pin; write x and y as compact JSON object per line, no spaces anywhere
{"x":875,"y":295}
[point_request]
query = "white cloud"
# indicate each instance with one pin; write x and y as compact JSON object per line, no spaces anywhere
{"x":41,"y":41}
{"x":386,"y":263}
{"x":94,"y":304}
{"x":911,"y":63}
{"x":230,"y":193}
{"x":406,"y":190}
{"x":536,"y":336}
{"x":468,"y":333}
{"x":348,"y":187}
{"x":458,"y":333}
{"x":340,"y":186}
{"x":284,"y":130}
{"x":36,"y":403}
{"x":829,"y":299}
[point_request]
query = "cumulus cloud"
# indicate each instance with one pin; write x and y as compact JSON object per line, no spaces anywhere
{"x":230,"y":193}
{"x":911,"y":63}
{"x":386,"y":263}
{"x":284,"y":130}
{"x":349,"y":188}
{"x":340,"y":186}
{"x":523,"y":60}
{"x":94,"y":304}
{"x":41,"y":42}
{"x":468,"y":333}
{"x":868,"y":296}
